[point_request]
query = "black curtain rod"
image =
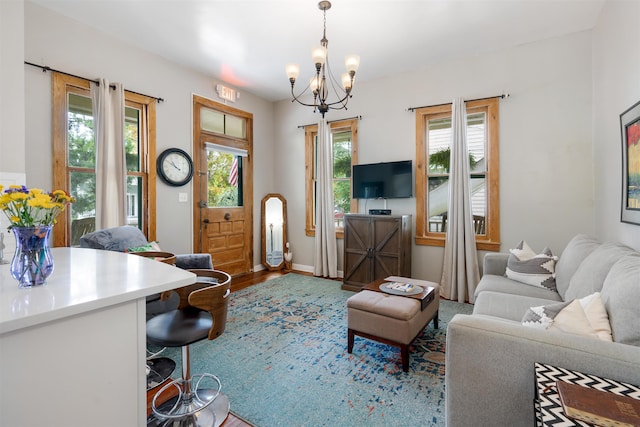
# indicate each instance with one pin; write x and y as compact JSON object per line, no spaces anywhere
{"x":332,"y":121}
{"x":45,"y":69}
{"x":504,"y":95}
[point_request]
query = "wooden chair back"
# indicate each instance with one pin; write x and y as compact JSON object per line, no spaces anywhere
{"x":211,"y":293}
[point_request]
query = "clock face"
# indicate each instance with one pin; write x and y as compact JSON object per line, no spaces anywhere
{"x":175,"y":167}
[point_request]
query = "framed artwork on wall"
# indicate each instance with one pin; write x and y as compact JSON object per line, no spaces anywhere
{"x":630,"y":127}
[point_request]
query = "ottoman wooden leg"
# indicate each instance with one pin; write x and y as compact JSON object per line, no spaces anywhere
{"x":435,"y":320}
{"x":350,"y":335}
{"x":404,"y":354}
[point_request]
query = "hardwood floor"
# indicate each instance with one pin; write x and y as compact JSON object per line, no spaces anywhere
{"x":249,"y":279}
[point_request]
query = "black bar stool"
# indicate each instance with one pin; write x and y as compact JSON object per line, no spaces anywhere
{"x":201,"y":314}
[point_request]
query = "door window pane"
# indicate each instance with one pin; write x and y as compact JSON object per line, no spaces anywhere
{"x":235,"y":126}
{"x":211,"y":121}
{"x":224,"y":179}
{"x":217,"y":122}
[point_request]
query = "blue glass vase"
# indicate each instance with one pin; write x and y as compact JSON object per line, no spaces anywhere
{"x":32,"y":263}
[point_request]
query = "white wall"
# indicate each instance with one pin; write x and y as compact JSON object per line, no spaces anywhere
{"x":12,"y":150}
{"x":60,"y":43}
{"x":616,"y":87}
{"x":557,"y":110}
{"x":546,"y":170}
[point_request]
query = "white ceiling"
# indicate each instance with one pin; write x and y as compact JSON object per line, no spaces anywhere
{"x":247,"y":43}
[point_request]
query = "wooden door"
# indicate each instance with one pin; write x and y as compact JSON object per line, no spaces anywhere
{"x":357,"y":251}
{"x":387,"y":245}
{"x":223,"y":188}
{"x":223,"y":236}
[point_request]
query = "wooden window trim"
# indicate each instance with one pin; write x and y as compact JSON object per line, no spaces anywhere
{"x":63,"y":84}
{"x":491,"y":240}
{"x":309,"y":160}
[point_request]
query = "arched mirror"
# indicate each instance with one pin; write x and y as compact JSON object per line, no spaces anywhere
{"x":274,"y":230}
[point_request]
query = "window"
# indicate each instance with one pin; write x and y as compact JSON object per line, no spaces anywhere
{"x":344,"y":138}
{"x":74,"y":158}
{"x":224,"y":175}
{"x":433,"y":145}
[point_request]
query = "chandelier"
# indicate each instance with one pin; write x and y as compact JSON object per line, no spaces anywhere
{"x":319,"y":84}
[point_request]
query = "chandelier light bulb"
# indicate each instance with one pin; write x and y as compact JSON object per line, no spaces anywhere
{"x":352,"y":62}
{"x":319,"y":55}
{"x":293,"y":70}
{"x":313,"y":84}
{"x":346,"y":81}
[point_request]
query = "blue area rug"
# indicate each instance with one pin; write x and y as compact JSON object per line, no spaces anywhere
{"x":283,"y":361}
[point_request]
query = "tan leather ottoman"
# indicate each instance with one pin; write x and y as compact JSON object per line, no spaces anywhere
{"x":390,"y":319}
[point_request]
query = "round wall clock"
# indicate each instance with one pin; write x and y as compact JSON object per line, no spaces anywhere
{"x":175,"y":167}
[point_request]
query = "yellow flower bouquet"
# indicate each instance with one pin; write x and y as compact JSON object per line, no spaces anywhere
{"x":32,"y":207}
{"x":32,"y":214}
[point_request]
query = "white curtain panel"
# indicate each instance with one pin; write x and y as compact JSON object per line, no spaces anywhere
{"x":460,"y":273}
{"x":111,"y":169}
{"x":326,"y":252}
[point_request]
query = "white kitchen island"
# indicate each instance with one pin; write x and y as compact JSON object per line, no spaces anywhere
{"x":72,"y":352}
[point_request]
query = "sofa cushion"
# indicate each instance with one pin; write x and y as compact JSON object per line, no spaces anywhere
{"x":114,"y":239}
{"x":502,"y":284}
{"x":590,"y":275}
{"x":586,"y":316}
{"x":621,"y":296}
{"x":507,"y":306}
{"x":525,"y":266}
{"x":576,"y":251}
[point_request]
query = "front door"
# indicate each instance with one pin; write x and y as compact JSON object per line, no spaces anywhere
{"x":223,"y":190}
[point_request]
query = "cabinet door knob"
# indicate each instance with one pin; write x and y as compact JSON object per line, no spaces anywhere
{"x":227,"y":216}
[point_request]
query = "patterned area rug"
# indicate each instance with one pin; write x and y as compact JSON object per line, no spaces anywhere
{"x":283,"y":361}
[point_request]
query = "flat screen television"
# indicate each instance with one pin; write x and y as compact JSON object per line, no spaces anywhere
{"x":387,"y":180}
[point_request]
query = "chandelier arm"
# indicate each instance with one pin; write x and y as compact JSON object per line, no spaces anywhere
{"x":297,"y":98}
{"x":341,"y":102}
{"x":337,"y":89}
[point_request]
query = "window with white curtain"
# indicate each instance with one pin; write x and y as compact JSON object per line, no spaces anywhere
{"x":344,"y":138}
{"x":74,"y":158}
{"x":433,"y":148}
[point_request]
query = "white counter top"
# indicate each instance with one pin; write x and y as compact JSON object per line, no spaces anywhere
{"x":84,"y":280}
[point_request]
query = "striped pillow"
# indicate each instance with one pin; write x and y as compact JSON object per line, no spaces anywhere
{"x":525,"y":266}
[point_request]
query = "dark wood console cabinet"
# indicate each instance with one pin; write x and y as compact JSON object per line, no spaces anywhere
{"x":375,"y":246}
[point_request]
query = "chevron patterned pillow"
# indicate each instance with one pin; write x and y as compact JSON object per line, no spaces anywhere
{"x":525,"y":266}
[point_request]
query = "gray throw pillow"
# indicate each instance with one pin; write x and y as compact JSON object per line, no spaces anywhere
{"x":576,"y":251}
{"x":114,"y":239}
{"x":590,"y":275}
{"x":621,"y":296}
{"x":525,"y":266}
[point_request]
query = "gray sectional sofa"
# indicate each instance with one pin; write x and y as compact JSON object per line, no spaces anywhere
{"x":490,"y":354}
